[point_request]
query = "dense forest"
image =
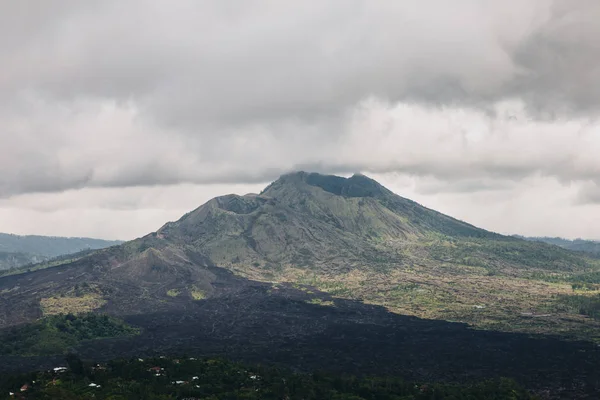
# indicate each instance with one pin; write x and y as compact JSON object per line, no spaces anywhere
{"x":214,"y":379}
{"x":54,"y":334}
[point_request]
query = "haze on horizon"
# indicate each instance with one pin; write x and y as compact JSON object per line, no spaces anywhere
{"x":116,"y":117}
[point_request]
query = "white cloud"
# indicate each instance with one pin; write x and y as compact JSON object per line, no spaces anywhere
{"x":117,"y":213}
{"x":535,"y":206}
{"x":458,"y":143}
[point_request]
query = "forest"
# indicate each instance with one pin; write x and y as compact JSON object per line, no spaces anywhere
{"x":165,"y":378}
{"x":55,"y":334}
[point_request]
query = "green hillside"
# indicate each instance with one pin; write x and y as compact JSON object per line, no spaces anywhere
{"x":585,"y":246}
{"x":16,"y":251}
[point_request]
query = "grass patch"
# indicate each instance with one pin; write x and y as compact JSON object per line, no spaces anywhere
{"x":197,"y":294}
{"x":71,"y":304}
{"x":173,"y":292}
{"x":320,"y":302}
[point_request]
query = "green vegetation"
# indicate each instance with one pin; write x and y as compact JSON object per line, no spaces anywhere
{"x":30,"y":266}
{"x":495,"y":254}
{"x":590,"y":277}
{"x":584,"y":305}
{"x":72,"y":304}
{"x":585,"y":286}
{"x":173,"y":292}
{"x":55,"y":334}
{"x":197,"y":294}
{"x":462,"y":293}
{"x":591,"y":247}
{"x":320,"y":302}
{"x":17,"y":251}
{"x":164,"y":378}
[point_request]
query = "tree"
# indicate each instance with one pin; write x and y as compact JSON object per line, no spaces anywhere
{"x":75,"y":364}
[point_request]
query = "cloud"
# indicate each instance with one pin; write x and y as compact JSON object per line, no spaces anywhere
{"x":534,"y":206}
{"x":588,"y":193}
{"x":560,"y":61}
{"x":471,"y":96}
{"x":455,"y":143}
{"x":121,"y":213}
{"x":219,"y":62}
{"x":110,"y":145}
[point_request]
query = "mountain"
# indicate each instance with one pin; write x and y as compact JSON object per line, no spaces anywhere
{"x":327,"y":271}
{"x":16,"y":251}
{"x":350,"y":237}
{"x":311,"y":220}
{"x":585,"y":246}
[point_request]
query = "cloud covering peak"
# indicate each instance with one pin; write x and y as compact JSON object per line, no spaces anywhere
{"x":464,"y":96}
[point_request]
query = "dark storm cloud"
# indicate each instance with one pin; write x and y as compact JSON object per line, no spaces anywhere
{"x":119,"y":94}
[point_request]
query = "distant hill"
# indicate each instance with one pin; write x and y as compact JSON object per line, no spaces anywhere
{"x":581,"y":245}
{"x":16,"y":251}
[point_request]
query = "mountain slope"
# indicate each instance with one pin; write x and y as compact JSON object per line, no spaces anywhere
{"x":585,"y":246}
{"x":311,"y":220}
{"x":332,"y":224}
{"x":350,"y":237}
{"x":16,"y":251}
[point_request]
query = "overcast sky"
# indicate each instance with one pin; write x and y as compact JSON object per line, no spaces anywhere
{"x":117,"y":116}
